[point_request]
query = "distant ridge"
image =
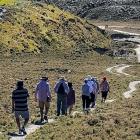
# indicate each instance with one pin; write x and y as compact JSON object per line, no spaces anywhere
{"x":102,"y":9}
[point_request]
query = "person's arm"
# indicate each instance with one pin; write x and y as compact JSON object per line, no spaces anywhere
{"x":56,"y":87}
{"x":27,"y":93}
{"x":48,"y":91}
{"x":35,"y":95}
{"x":74,"y":96}
{"x":13,"y":103}
{"x":66,"y":87}
{"x":88,"y":91}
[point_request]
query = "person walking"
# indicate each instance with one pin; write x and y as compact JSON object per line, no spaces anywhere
{"x":61,"y":89}
{"x":95,"y":91}
{"x":85,"y":95}
{"x":20,"y":106}
{"x":104,"y":87}
{"x":70,"y":98}
{"x":43,"y":96}
{"x":92,"y":89}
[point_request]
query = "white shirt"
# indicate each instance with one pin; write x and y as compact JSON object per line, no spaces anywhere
{"x":92,"y":86}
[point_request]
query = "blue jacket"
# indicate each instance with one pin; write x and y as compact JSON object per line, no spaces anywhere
{"x":85,"y":89}
{"x":65,"y":85}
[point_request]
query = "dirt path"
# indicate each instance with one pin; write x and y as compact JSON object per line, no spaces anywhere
{"x":119,"y":69}
{"x":138,"y":53}
{"x":119,"y":31}
{"x":30,"y":129}
{"x":136,"y":39}
{"x":132,"y":86}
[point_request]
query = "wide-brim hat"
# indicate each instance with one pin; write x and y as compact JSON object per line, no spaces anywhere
{"x":44,"y":78}
{"x":89,"y":77}
{"x":62,"y":78}
{"x":94,"y":78}
{"x":86,"y":79}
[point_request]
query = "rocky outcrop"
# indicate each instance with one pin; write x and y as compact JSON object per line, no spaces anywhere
{"x":102,"y":9}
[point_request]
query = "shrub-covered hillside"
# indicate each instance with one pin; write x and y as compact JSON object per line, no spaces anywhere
{"x":36,"y":27}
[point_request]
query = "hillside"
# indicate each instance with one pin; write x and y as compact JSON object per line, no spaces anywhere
{"x":102,"y":9}
{"x":36,"y":27}
{"x":42,"y":40}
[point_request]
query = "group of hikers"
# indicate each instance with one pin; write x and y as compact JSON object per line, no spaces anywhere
{"x":65,"y":97}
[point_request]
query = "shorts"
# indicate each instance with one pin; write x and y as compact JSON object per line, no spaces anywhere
{"x":104,"y":94}
{"x":44,"y":103}
{"x":23,"y":114}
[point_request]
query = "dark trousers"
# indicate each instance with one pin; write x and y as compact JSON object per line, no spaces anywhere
{"x":92,"y":100}
{"x":86,"y":101}
{"x":104,"y":94}
{"x":61,"y":104}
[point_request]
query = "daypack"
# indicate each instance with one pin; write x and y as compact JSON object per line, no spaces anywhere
{"x":61,"y":89}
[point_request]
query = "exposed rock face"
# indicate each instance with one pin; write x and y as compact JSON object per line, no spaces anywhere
{"x":2,"y":11}
{"x":102,"y":9}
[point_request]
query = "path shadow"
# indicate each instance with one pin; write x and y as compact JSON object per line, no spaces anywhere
{"x":15,"y":134}
{"x":38,"y":122}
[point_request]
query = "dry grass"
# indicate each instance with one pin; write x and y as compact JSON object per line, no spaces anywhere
{"x":108,"y":118}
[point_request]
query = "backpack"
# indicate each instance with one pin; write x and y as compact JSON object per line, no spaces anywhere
{"x":61,"y":89}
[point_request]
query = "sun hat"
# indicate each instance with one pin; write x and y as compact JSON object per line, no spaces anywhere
{"x":62,"y":78}
{"x":89,"y":77}
{"x":44,"y":78}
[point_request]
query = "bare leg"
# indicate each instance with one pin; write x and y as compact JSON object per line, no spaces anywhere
{"x":25,"y":122}
{"x":23,"y":127}
{"x":47,"y":106}
{"x":18,"y":123}
{"x":41,"y":106}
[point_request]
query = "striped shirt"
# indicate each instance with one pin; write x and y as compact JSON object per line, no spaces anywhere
{"x":19,"y":97}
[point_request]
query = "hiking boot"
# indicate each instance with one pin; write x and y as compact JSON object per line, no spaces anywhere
{"x":46,"y":118}
{"x":20,"y":131}
{"x":23,"y":130}
{"x":41,"y":120}
{"x":58,"y":114}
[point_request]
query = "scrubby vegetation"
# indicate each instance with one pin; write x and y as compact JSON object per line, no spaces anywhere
{"x":36,"y":27}
{"x":8,"y":2}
